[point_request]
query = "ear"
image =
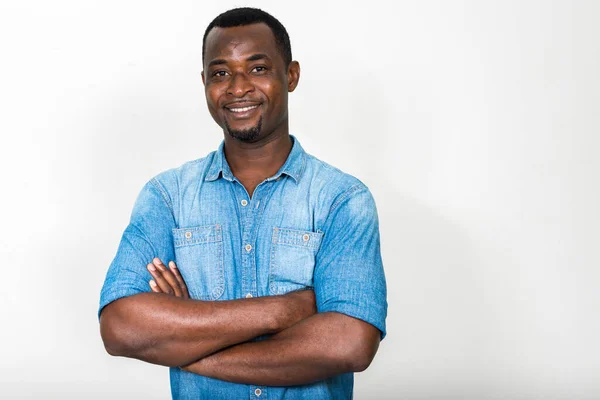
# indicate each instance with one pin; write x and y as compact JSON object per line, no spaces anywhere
{"x":293,"y":75}
{"x":203,"y":81}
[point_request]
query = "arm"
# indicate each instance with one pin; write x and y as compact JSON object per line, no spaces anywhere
{"x":175,"y":330}
{"x":316,"y":348}
{"x":350,"y":291}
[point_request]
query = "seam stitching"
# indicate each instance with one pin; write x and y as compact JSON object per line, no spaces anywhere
{"x":345,"y":195}
{"x":163,"y":193}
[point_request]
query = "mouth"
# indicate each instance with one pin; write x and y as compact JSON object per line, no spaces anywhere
{"x":239,"y":111}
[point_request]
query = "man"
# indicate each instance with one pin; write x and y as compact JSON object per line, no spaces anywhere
{"x":256,"y":270}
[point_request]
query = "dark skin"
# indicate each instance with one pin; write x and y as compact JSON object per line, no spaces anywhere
{"x":246,"y":86}
{"x":243,"y":67}
{"x":314,"y":349}
{"x":174,"y":330}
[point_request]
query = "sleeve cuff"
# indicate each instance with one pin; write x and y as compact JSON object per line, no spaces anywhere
{"x":110,"y":295}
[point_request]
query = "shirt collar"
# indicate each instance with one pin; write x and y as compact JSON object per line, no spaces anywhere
{"x":293,"y":166}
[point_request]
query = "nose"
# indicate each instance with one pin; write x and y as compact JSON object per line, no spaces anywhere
{"x":239,"y":85}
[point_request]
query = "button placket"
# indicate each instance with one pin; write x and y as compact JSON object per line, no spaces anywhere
{"x":250,"y":217}
{"x":249,"y":221}
{"x":248,"y":282}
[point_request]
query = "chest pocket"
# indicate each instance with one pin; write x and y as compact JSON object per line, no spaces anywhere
{"x":292,"y":259}
{"x":199,"y":257}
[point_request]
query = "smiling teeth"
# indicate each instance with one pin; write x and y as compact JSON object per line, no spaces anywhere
{"x":237,"y":110}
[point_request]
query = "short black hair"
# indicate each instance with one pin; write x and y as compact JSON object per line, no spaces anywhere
{"x":247,"y":16}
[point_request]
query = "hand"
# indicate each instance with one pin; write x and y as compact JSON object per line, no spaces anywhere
{"x":167,"y":280}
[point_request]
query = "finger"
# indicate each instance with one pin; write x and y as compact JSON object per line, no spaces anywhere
{"x":179,"y":278}
{"x":169,"y":277}
{"x":160,"y":280}
{"x":154,"y":287}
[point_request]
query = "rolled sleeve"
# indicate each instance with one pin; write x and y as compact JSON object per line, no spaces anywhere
{"x":148,"y":235}
{"x":349,"y":276}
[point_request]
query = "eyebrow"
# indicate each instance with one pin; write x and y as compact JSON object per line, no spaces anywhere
{"x":217,"y":62}
{"x":253,"y":57}
{"x":258,"y":56}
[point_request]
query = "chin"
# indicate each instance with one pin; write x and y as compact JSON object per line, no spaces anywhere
{"x":247,"y":135}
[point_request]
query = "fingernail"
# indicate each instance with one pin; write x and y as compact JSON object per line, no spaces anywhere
{"x":172,"y":265}
{"x":151,"y":267}
{"x":152,"y":283}
{"x":156,"y":261}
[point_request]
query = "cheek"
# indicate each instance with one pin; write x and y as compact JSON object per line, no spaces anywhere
{"x":212,"y":98}
{"x":274,"y":92}
{"x":212,"y":101}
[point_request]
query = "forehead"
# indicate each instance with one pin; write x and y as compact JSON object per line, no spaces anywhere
{"x":239,"y":41}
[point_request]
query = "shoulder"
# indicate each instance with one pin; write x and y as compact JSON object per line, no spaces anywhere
{"x":335,"y":185}
{"x":190,"y":172}
{"x":166,"y":187}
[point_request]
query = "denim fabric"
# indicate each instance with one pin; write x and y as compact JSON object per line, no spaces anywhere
{"x":309,"y":225}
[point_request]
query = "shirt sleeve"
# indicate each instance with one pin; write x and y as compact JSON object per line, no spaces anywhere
{"x":349,"y":276}
{"x":148,"y":235}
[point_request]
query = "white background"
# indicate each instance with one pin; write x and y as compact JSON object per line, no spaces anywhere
{"x":474,"y":123}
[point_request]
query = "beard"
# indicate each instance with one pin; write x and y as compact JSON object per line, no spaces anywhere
{"x":245,"y":135}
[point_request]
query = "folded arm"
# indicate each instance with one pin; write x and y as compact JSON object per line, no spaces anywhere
{"x":321,"y":346}
{"x":174,"y":330}
{"x":349,"y":281}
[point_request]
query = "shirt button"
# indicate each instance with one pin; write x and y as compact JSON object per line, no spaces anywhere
{"x":305,"y":237}
{"x":188,"y":235}
{"x":244,"y":203}
{"x":248,"y":248}
{"x":257,"y":392}
{"x":249,"y":295}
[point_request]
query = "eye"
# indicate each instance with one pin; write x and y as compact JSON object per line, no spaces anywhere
{"x":259,"y":68}
{"x":219,"y":73}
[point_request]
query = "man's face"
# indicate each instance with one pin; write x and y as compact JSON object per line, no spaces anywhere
{"x":246,"y":81}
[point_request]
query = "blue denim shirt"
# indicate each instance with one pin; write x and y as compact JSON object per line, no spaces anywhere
{"x":309,"y":225}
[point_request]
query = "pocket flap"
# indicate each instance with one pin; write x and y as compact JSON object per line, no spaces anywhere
{"x":293,"y":237}
{"x":196,"y":235}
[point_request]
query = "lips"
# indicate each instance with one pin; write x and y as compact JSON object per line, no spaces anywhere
{"x":243,"y":109}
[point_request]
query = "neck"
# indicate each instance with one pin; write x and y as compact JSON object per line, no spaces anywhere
{"x":254,"y":162}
